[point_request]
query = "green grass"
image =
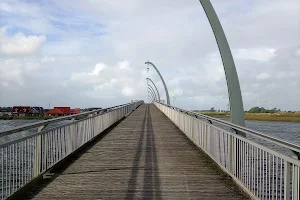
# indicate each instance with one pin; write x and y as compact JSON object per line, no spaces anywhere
{"x":282,"y":116}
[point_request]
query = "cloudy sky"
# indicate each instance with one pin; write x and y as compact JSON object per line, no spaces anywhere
{"x":86,"y":53}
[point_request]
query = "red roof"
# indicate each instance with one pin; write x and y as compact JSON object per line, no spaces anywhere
{"x":21,"y":109}
{"x":75,"y":111}
{"x":54,"y":111}
{"x":64,"y":110}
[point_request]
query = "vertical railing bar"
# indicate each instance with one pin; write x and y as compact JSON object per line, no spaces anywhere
{"x":10,"y":169}
{"x":248,"y":167}
{"x":59,"y":145}
{"x":252,"y":168}
{"x":256,"y":172}
{"x":6,"y":174}
{"x":263,"y":174}
{"x":269,"y":193}
{"x":276,"y":180}
{"x":29,"y":160}
{"x":281,"y":165}
{"x":298,"y":182}
{"x":63,"y":141}
{"x":56,"y":146}
{"x":243,"y":163}
{"x":50,"y":148}
{"x":260,"y":173}
{"x":2,"y":172}
{"x":293,"y":179}
{"x":287,"y":170}
{"x":13,"y":168}
{"x":273,"y":177}
{"x":240,"y":158}
{"x":19,"y":163}
{"x":25,"y":162}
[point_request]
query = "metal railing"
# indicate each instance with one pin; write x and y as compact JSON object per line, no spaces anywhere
{"x":24,"y":159}
{"x":260,"y":171}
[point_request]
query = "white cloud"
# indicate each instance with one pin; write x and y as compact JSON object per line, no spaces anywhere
{"x":124,"y":64}
{"x":11,"y":72}
{"x":110,"y":80}
{"x":19,"y":44}
{"x":46,"y":59}
{"x":89,"y":77}
{"x":98,"y":68}
{"x":258,"y":54}
{"x":32,"y":66}
{"x":127,"y":91}
{"x":177,"y":38}
{"x":263,"y":76}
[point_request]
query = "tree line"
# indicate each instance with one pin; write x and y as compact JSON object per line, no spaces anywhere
{"x":263,"y":110}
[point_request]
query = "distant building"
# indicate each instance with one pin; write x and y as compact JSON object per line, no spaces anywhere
{"x":62,"y":111}
{"x":75,"y":111}
{"x":46,"y":110}
{"x":20,"y":110}
{"x":36,"y":111}
{"x":5,"y":111}
{"x":91,"y":109}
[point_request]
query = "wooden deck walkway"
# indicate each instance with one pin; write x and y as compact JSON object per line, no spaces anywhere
{"x":144,"y":157}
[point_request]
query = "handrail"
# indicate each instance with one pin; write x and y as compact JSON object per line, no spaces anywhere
{"x":261,"y":135}
{"x":263,"y":173}
{"x":26,"y":158}
{"x":46,"y":122}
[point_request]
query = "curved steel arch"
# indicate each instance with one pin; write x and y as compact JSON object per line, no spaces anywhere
{"x":155,"y":88}
{"x":165,"y":86}
{"x":149,"y":98}
{"x":233,"y":85}
{"x":151,"y":95}
{"x":151,"y":89}
{"x":150,"y":92}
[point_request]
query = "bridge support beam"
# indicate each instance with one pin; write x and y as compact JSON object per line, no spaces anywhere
{"x":234,"y":90}
{"x":167,"y":93}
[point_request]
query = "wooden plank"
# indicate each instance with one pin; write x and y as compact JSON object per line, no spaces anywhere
{"x":144,"y":157}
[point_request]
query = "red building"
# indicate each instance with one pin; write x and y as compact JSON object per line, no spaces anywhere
{"x":20,"y":110}
{"x":59,"y":111}
{"x":62,"y":111}
{"x":75,"y":111}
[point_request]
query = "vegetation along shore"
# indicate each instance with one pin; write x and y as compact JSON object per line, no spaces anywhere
{"x":282,"y":116}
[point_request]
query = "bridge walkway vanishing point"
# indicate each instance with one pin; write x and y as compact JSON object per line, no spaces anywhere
{"x":144,"y":157}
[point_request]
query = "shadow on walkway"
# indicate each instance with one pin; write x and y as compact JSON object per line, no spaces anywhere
{"x":151,"y":182}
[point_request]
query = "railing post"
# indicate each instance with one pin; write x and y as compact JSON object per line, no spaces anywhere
{"x":231,"y":152}
{"x":70,"y":141}
{"x":37,"y":160}
{"x":287,"y":180}
{"x":296,"y":182}
{"x":38,"y":153}
{"x":208,"y":133}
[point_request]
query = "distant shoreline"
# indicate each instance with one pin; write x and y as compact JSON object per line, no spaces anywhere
{"x":284,"y":117}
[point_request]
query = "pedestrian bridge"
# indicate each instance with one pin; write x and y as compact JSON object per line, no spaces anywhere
{"x":145,"y":151}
